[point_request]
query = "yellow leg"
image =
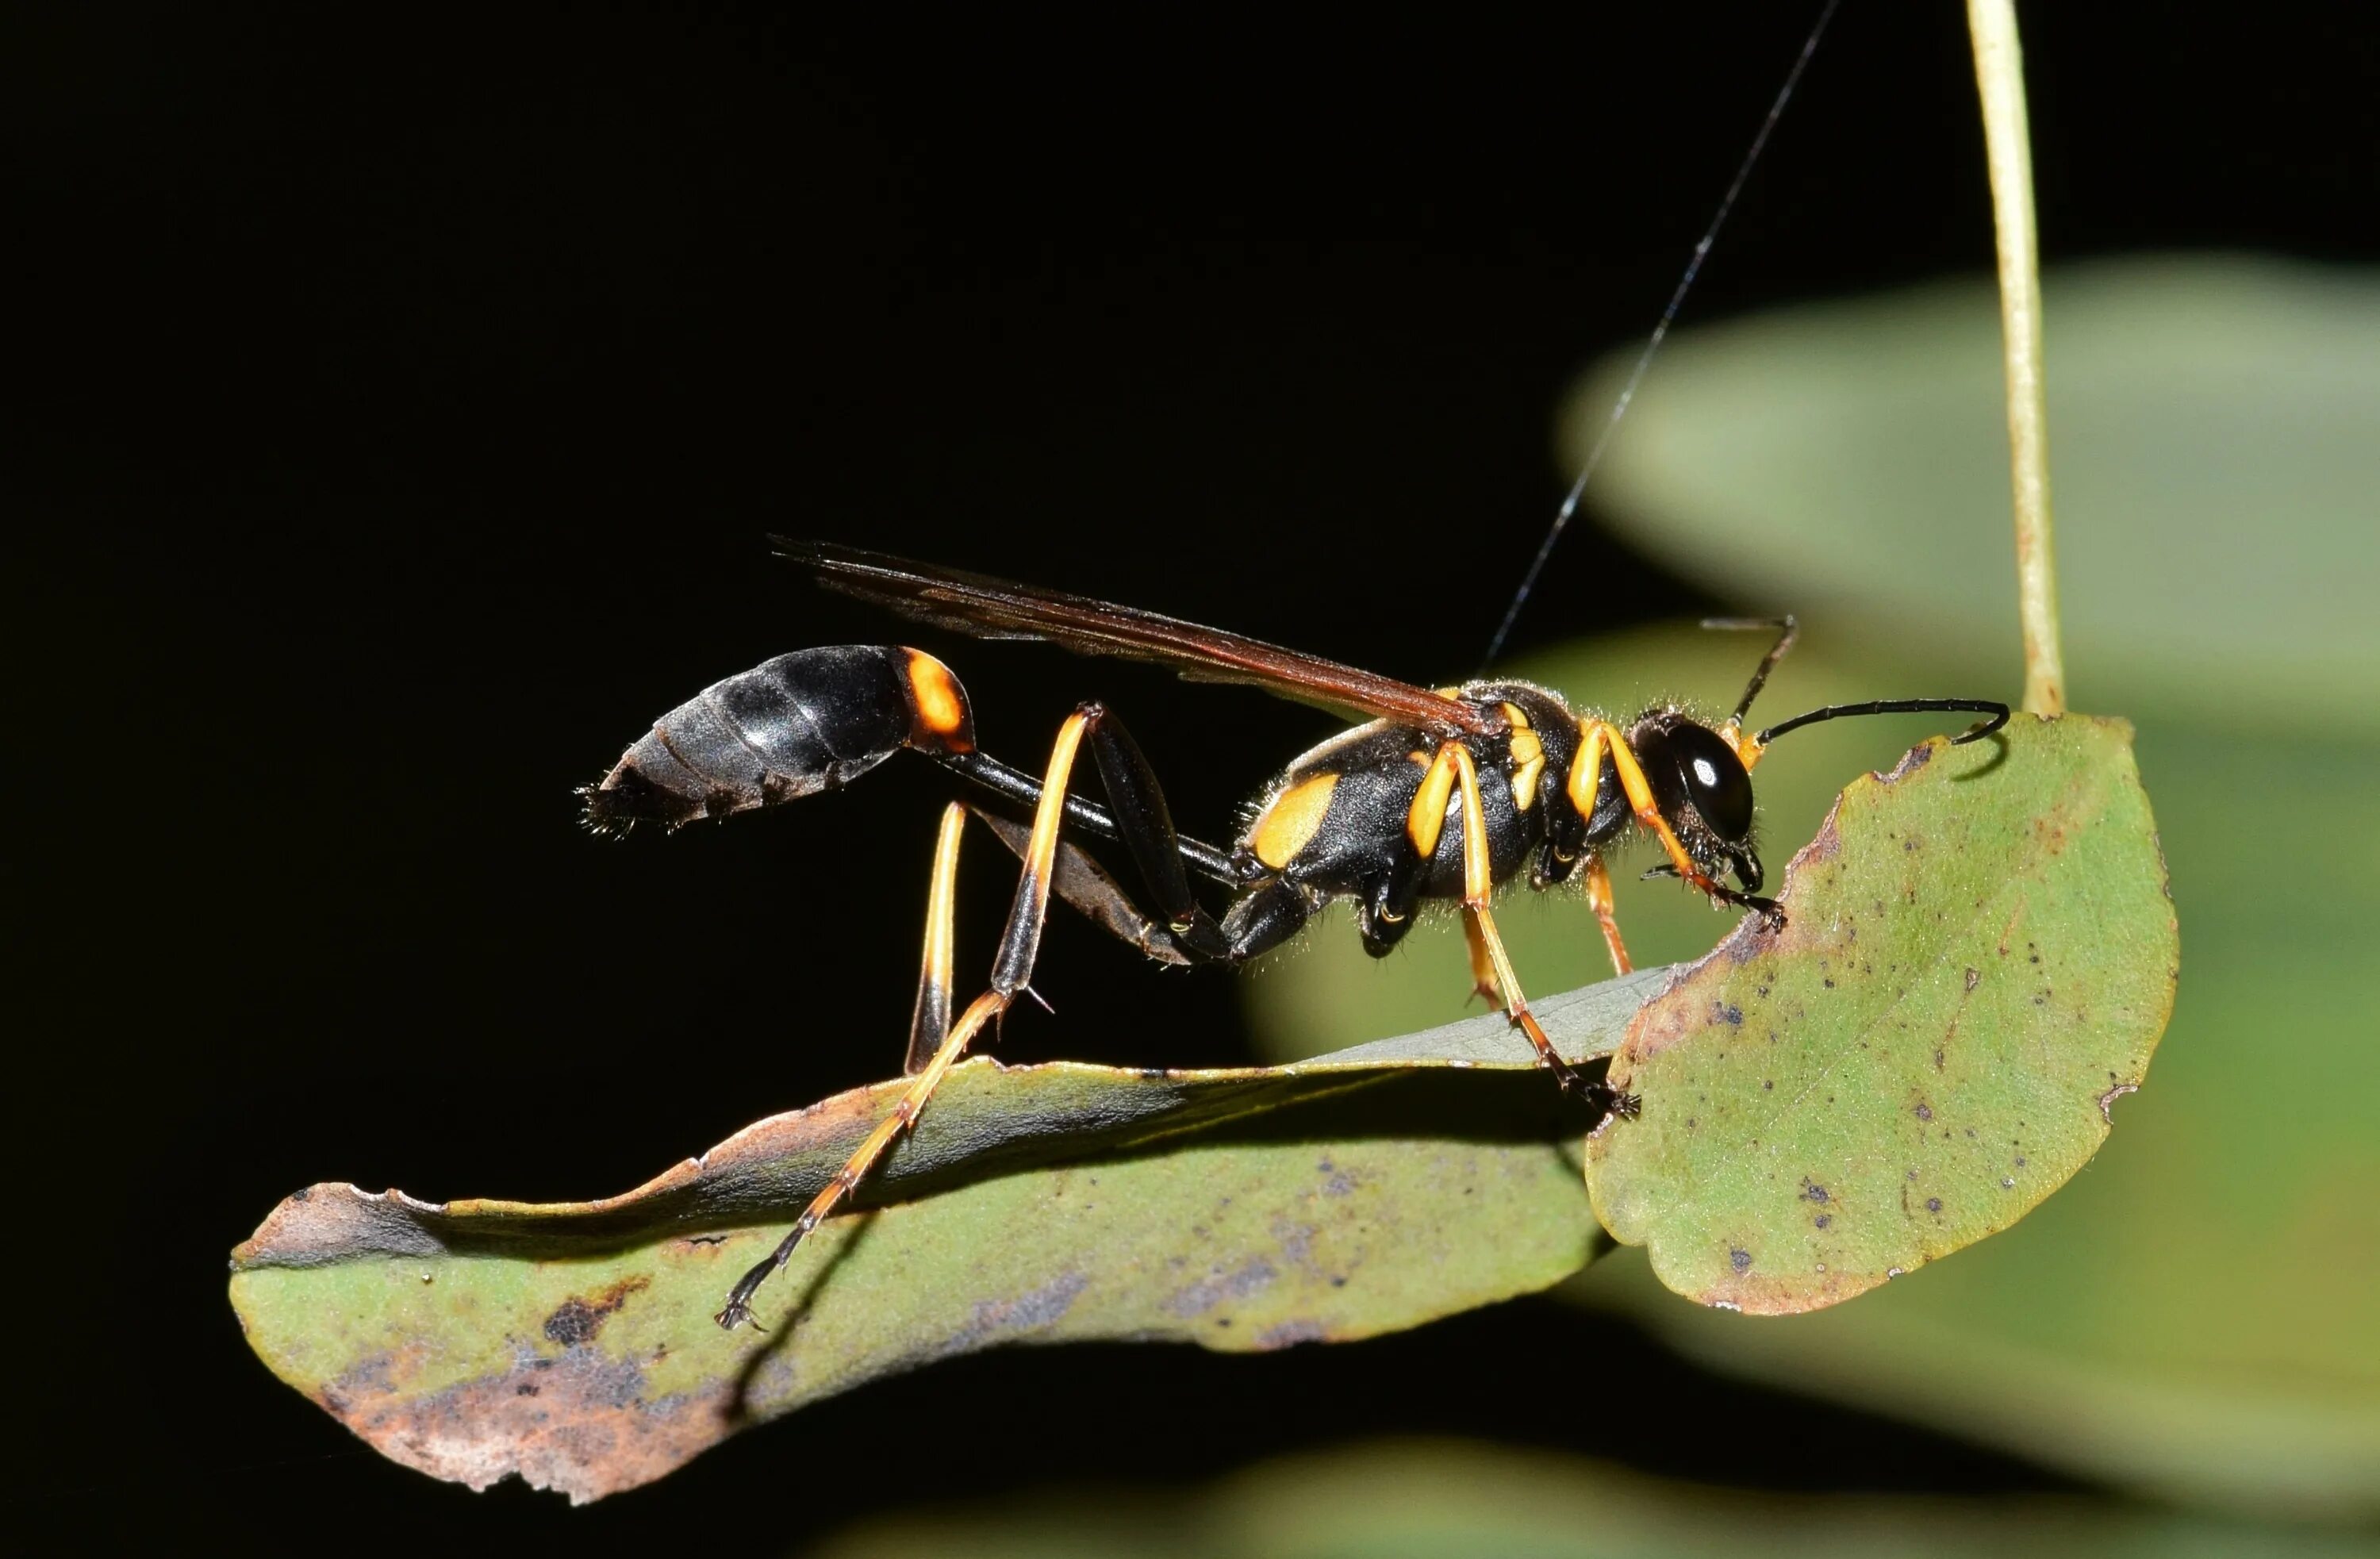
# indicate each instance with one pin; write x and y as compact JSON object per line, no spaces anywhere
{"x":1020,"y":943}
{"x":985,"y":1008}
{"x":1598,"y":898}
{"x":1486,"y":946}
{"x":930,"y":1019}
{"x":1011,"y":970}
{"x":1603,"y":738}
{"x":1483,"y":964}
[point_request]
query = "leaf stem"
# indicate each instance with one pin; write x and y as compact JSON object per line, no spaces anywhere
{"x":1999,"y":78}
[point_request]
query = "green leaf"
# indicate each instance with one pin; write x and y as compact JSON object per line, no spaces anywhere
{"x":572,"y":1343}
{"x":1403,"y":1500}
{"x":1979,"y":957}
{"x":2210,"y":428}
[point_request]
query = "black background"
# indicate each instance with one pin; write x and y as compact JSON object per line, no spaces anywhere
{"x":400,"y":406}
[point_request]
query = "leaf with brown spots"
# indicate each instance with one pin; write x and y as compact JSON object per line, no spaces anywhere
{"x":572,"y":1345}
{"x":1979,"y":957}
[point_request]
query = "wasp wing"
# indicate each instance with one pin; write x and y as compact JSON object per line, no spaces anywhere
{"x":988,"y":608}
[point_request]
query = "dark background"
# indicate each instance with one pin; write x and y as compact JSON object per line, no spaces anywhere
{"x":400,"y":407}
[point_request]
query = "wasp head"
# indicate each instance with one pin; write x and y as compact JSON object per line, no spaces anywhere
{"x":1703,"y":789}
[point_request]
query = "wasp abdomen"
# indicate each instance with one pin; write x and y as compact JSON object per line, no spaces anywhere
{"x":810,"y":720}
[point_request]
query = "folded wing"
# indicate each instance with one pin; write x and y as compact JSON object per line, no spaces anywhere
{"x":988,"y":608}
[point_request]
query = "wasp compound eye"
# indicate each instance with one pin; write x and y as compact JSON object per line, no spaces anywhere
{"x":1715,"y":781}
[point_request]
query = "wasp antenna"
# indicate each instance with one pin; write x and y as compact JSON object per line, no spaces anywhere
{"x":1982,"y":728}
{"x":1785,"y":627}
{"x":1660,"y":333}
{"x":1998,"y":712}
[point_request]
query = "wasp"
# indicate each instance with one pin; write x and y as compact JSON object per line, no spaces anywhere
{"x":1436,"y":795}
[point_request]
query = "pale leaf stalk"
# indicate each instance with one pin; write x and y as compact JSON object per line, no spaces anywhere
{"x":1999,"y":78}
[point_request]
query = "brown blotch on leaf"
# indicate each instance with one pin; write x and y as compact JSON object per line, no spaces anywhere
{"x":1252,"y":1277}
{"x":1289,"y":1334}
{"x":582,"y":1425}
{"x":574,"y":1321}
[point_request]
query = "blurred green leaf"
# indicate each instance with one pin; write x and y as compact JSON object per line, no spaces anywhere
{"x":1434,"y":1499}
{"x":2210,"y":440}
{"x":572,"y":1343}
{"x":1979,"y":957}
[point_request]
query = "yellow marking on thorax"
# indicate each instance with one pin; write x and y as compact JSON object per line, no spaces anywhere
{"x":935,"y":691}
{"x":1529,"y":758}
{"x":1529,"y":769}
{"x":1426,"y":817}
{"x":1290,"y":823}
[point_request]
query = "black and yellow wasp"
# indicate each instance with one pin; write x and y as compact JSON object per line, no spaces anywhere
{"x":1437,"y":794}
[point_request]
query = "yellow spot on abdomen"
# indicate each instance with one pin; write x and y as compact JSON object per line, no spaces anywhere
{"x":1290,"y":823}
{"x":941,"y":709}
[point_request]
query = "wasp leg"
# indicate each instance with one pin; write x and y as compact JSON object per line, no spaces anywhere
{"x":1083,"y":816}
{"x":1083,"y":884}
{"x":1146,"y":824}
{"x":983,"y":1010}
{"x":1268,"y":911}
{"x":1598,"y":898}
{"x":1483,"y":963}
{"x":929,"y":1020}
{"x":1011,"y":969}
{"x":1489,"y":945}
{"x":1602,"y":739}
